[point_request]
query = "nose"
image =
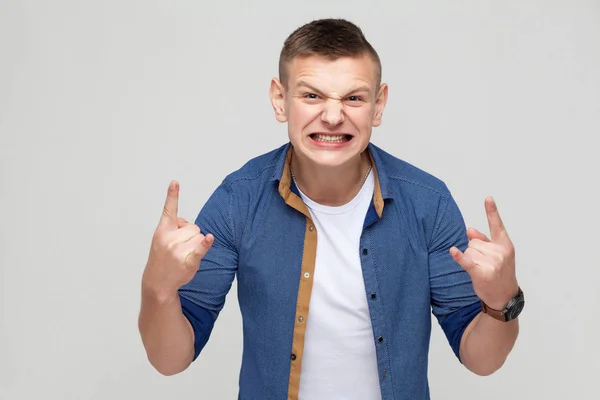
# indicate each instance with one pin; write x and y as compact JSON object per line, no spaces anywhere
{"x":333,"y":113}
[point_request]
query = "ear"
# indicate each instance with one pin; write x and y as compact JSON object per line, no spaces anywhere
{"x":380,"y":102}
{"x":277,"y":95}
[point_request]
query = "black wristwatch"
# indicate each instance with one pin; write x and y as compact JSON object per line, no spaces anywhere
{"x":510,"y":312}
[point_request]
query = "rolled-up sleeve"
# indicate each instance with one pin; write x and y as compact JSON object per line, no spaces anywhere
{"x":204,"y":296}
{"x":453,"y":300}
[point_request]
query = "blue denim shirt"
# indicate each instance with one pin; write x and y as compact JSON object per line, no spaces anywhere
{"x":264,"y":235}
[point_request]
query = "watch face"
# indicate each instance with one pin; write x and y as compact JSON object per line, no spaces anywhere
{"x":516,"y":309}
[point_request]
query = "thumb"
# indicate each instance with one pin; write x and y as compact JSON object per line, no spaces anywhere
{"x":199,"y":251}
{"x":462,"y":259}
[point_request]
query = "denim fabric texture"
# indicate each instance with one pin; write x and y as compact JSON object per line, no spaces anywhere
{"x":407,"y":269}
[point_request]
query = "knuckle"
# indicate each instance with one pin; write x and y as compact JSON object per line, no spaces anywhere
{"x":170,"y":246}
{"x":158,"y":234}
{"x":511,"y":251}
{"x":160,"y":241}
{"x":500,"y":257}
{"x":191,"y":229}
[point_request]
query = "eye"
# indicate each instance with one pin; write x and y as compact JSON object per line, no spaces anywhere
{"x":355,"y":98}
{"x":310,"y":96}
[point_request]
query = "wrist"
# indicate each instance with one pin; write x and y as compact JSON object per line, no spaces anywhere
{"x":159,"y":296}
{"x":503,"y":302}
{"x":509,"y":311}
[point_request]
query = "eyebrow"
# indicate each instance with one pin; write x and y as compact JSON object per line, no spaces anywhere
{"x":314,"y":89}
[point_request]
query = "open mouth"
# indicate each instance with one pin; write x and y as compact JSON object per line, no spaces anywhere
{"x":341,"y":138}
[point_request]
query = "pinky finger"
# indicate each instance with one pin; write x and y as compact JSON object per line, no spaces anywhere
{"x":196,"y":248}
{"x":205,"y":245}
{"x":462,"y":259}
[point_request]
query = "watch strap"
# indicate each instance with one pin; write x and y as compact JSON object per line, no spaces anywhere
{"x":497,"y":314}
{"x":504,"y":315}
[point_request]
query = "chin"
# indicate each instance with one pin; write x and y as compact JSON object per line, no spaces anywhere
{"x":329,"y":158}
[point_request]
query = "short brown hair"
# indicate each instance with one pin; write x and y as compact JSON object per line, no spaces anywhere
{"x":329,"y":38}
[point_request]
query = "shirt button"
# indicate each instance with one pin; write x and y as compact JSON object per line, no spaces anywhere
{"x":306,"y":275}
{"x":300,"y":319}
{"x":311,"y":228}
{"x":293,"y":357}
{"x":373,"y":296}
{"x":380,"y":339}
{"x":365,"y":252}
{"x":384,"y":373}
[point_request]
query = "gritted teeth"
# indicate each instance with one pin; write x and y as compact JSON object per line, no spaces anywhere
{"x":331,"y":138}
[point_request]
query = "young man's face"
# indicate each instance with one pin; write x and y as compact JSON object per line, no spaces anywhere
{"x":330,"y":107}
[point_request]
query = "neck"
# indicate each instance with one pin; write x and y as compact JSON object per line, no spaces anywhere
{"x":333,"y":186}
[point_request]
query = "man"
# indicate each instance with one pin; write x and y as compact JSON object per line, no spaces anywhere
{"x":341,"y":250}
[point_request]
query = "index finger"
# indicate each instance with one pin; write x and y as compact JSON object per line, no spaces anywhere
{"x":169,"y":215}
{"x":497,"y":229}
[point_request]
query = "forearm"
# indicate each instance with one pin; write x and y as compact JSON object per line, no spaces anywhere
{"x":486,"y":343}
{"x":166,"y":333}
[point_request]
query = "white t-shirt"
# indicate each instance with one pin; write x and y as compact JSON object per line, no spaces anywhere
{"x":339,"y":360}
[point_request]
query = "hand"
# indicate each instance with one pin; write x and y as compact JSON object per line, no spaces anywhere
{"x":490,"y":263}
{"x":176,"y":250}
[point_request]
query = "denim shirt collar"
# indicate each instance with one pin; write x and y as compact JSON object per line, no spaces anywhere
{"x":283,"y":175}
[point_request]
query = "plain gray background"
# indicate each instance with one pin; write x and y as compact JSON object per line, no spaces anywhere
{"x":103,"y":103}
